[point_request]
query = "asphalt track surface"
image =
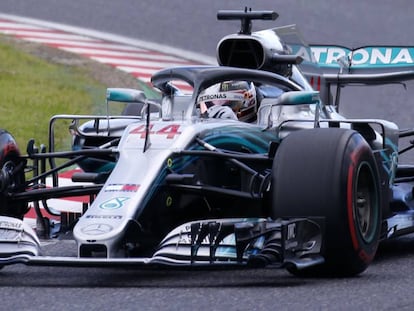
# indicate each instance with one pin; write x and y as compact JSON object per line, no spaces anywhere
{"x":387,"y":284}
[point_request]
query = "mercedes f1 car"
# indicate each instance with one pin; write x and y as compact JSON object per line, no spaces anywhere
{"x":298,"y":186}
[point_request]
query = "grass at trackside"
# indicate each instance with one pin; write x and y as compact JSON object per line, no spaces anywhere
{"x":32,"y":90}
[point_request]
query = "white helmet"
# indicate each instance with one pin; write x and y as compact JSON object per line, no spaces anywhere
{"x":240,"y":96}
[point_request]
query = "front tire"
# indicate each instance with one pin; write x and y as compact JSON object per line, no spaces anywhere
{"x":12,"y":177}
{"x":331,"y":173}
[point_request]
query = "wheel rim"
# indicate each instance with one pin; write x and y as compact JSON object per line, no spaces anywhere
{"x":7,"y":176}
{"x":365,"y":203}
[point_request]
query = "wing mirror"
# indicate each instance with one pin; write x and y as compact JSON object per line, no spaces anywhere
{"x":125,"y":95}
{"x":298,"y":98}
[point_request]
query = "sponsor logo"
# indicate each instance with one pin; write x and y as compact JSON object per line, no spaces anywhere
{"x":114,"y":203}
{"x":203,"y":98}
{"x":11,"y":225}
{"x":96,"y":229}
{"x":121,"y":187}
{"x":375,"y":56}
{"x":103,"y":216}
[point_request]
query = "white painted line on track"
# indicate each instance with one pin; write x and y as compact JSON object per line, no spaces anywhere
{"x":47,"y":35}
{"x":71,"y":43}
{"x":139,"y":56}
{"x":140,"y":69}
{"x":123,"y":62}
{"x":13,"y":26}
{"x":97,"y":51}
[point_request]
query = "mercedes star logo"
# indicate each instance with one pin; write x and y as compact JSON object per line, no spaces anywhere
{"x":96,"y":229}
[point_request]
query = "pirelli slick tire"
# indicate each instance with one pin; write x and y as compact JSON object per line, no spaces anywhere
{"x":332,"y":174}
{"x":12,"y":177}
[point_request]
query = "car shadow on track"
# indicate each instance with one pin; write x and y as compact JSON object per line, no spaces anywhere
{"x":31,"y":276}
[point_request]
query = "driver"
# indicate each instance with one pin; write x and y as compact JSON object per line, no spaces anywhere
{"x":229,"y":100}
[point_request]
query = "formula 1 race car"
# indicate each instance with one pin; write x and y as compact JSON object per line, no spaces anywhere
{"x":254,"y":168}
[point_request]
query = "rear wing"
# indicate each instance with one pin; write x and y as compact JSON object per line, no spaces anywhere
{"x":327,"y":66}
{"x":364,"y":59}
{"x":368,"y":65}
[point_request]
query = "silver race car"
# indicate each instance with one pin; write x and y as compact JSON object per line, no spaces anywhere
{"x":255,"y":167}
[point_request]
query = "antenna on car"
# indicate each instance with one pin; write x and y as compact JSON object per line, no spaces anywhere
{"x":246,"y":17}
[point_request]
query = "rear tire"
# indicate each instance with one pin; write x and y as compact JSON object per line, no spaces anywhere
{"x":12,"y":180}
{"x":331,"y":173}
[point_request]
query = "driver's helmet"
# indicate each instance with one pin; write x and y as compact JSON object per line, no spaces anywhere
{"x":240,"y":96}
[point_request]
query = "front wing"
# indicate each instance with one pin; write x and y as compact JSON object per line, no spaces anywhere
{"x":220,"y":242}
